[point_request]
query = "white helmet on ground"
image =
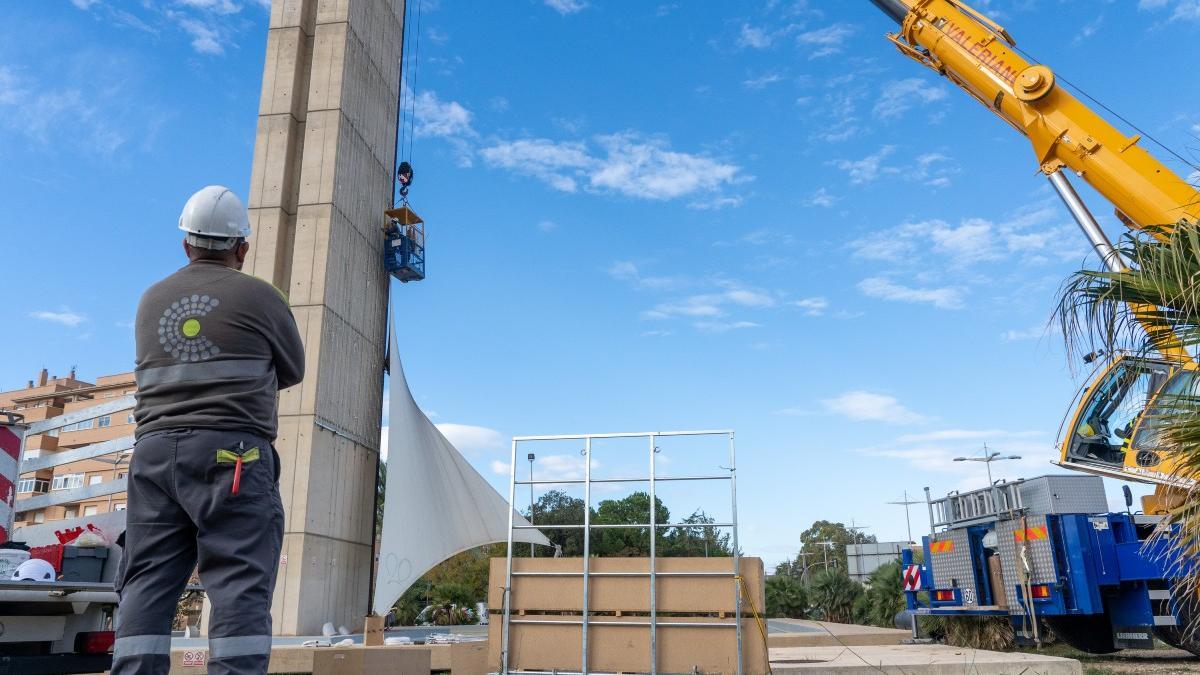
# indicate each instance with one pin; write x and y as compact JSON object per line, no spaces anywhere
{"x":214,"y":218}
{"x":34,"y":569}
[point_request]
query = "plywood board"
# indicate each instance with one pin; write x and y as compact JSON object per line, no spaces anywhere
{"x":359,"y":660}
{"x":692,"y":594}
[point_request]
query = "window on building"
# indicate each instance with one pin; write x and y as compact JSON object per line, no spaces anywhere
{"x":121,"y":474}
{"x":119,"y":506}
{"x":78,"y":426}
{"x":67,"y":481}
{"x":39,"y":516}
{"x":89,"y":510}
{"x":95,"y":480}
{"x":71,"y":512}
{"x":38,"y":485}
{"x":129,"y":419}
{"x":105,"y":421}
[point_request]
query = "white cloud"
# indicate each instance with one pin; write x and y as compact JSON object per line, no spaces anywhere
{"x":825,"y":41}
{"x":65,"y":317}
{"x":566,"y":7}
{"x":762,"y":81}
{"x":722,"y":326}
{"x":866,"y":406}
{"x":942,"y":298}
{"x":1034,"y":235}
{"x":84,"y":4}
{"x":1186,"y":10}
{"x":205,"y":38}
{"x":932,"y":168}
{"x":434,"y":117}
{"x":214,"y":6}
{"x":628,"y":164}
{"x":627,"y":270}
{"x":821,"y":198}
{"x":868,"y":168}
{"x":935,"y":452}
{"x":547,"y":226}
{"x":383,"y":442}
{"x":756,"y":38}
{"x":556,"y":163}
{"x":1088,"y":29}
{"x":812,"y":306}
{"x":647,"y":168}
{"x":711,"y":305}
{"x":473,"y":439}
{"x":898,"y":96}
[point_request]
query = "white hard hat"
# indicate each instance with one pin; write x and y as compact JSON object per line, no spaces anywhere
{"x":214,"y":218}
{"x":34,"y":569}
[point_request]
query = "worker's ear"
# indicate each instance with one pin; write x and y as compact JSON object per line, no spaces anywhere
{"x":187,"y":249}
{"x":243,"y":250}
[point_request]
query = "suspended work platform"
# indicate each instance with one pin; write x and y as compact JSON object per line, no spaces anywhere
{"x":404,"y":251}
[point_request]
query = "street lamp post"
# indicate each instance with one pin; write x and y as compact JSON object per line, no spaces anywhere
{"x":906,"y":502}
{"x":531,"y":458}
{"x":987,"y":459}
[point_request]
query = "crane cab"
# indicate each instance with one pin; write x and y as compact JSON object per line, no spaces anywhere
{"x":1112,"y":432}
{"x":404,"y":246}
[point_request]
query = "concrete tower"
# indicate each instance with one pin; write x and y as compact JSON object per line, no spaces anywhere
{"x":321,"y":179}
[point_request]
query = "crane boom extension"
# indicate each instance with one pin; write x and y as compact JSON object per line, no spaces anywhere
{"x":981,"y":58}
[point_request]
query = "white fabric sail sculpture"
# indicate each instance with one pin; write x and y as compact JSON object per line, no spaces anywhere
{"x":436,"y":504}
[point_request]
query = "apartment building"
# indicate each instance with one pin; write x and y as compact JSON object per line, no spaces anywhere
{"x":50,"y":396}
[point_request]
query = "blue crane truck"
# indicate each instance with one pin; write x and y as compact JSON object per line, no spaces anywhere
{"x":1047,"y":552}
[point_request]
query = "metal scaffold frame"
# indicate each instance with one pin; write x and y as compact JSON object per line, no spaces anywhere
{"x":587,"y":526}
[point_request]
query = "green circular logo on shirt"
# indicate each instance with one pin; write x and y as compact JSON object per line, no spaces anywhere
{"x":180,"y":328}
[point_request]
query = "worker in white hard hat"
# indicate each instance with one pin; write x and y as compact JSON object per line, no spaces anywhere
{"x":214,"y":346}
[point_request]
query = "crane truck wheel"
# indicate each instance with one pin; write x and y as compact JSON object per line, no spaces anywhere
{"x":1091,"y":634}
{"x":1179,"y":638}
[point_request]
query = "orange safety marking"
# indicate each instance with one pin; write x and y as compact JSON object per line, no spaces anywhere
{"x":1030,"y":533}
{"x":941,"y":546}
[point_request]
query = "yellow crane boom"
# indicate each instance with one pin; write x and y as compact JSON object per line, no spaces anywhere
{"x":980,"y":57}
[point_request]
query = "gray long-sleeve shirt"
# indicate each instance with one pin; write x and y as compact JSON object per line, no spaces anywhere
{"x":214,"y":346}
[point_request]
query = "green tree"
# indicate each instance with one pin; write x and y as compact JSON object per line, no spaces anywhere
{"x":695,"y":539}
{"x":822,"y":545}
{"x":629,"y":542}
{"x":556,"y":507}
{"x":1155,"y":302}
{"x":884,"y":596}
{"x":786,"y":598}
{"x":833,"y":595}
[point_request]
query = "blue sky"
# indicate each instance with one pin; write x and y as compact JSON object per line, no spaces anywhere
{"x":755,"y":216}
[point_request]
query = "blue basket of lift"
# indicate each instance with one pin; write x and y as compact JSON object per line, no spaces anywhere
{"x":404,"y":248}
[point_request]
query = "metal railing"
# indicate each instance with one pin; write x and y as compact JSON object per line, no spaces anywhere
{"x":652,"y":621}
{"x":977,"y":506}
{"x":62,"y":457}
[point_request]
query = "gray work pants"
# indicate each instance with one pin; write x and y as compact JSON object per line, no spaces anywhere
{"x":182,"y":514}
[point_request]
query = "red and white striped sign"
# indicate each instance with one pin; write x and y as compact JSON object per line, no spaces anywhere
{"x":10,"y":455}
{"x":912,"y":578}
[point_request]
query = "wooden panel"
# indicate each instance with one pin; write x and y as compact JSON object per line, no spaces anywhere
{"x":626,"y":648}
{"x":628,"y":594}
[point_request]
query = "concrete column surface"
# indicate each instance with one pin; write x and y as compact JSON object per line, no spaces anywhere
{"x":322,"y":177}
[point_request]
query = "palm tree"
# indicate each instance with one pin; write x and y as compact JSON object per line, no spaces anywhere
{"x":1154,"y":302}
{"x":833,"y":594}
